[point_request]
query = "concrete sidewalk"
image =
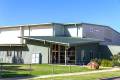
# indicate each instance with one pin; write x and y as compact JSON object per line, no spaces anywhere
{"x":78,"y":73}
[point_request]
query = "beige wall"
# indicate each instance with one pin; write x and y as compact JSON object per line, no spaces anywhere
{"x":38,"y":31}
{"x":10,"y":36}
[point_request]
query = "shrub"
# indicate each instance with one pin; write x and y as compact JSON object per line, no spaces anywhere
{"x":106,"y":63}
{"x":97,"y":61}
{"x":103,"y":62}
{"x":115,"y":63}
{"x":93,"y":65}
{"x":116,"y":59}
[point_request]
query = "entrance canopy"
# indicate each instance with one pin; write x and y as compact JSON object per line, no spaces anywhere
{"x":66,"y":41}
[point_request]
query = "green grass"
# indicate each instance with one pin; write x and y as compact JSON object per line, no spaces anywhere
{"x":38,"y":69}
{"x":95,"y":76}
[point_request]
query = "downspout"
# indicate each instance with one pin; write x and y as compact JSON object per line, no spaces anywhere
{"x":29,"y":33}
{"x":21,"y":34}
{"x":64,"y":30}
{"x":22,"y":40}
{"x":53,"y":29}
{"x":77,"y":29}
{"x":29,"y":30}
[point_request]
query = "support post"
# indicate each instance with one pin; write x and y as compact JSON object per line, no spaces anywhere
{"x":65,"y":56}
{"x":48,"y":55}
{"x":76,"y":56}
{"x":59,"y":53}
{"x":21,"y":34}
{"x":51,"y":54}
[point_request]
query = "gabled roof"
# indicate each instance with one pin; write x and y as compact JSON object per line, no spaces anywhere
{"x":67,"y":41}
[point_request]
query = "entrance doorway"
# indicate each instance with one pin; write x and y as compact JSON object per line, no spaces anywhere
{"x":59,"y":56}
{"x":55,"y":54}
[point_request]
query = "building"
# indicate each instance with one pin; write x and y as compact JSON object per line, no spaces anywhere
{"x":73,"y":43}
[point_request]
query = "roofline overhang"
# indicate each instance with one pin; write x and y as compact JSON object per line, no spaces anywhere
{"x":60,"y":43}
{"x":55,"y":42}
{"x":26,"y":25}
{"x":12,"y":44}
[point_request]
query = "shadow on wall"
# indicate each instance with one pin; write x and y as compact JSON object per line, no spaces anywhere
{"x":17,"y":60}
{"x":12,"y":52}
{"x":105,"y":52}
{"x":67,"y":33}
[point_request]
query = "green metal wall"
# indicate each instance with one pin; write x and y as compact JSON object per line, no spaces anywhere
{"x":107,"y":51}
{"x":87,"y":49}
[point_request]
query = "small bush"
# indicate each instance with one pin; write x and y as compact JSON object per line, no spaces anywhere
{"x":106,"y":63}
{"x":115,"y":63}
{"x":116,"y":60}
{"x":103,"y":62}
{"x":93,"y":65}
{"x":97,"y":61}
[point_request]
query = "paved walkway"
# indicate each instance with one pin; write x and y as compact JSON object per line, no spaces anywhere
{"x":78,"y":73}
{"x":114,"y":78}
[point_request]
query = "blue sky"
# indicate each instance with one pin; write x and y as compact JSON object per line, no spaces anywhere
{"x":16,"y":12}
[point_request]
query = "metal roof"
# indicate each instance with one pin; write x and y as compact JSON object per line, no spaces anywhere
{"x":25,"y":25}
{"x":65,"y":24}
{"x":67,"y":41}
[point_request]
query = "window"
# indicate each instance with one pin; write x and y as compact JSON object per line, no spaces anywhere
{"x":91,"y":54}
{"x":82,"y":55}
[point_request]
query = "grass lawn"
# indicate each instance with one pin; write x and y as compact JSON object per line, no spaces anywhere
{"x":38,"y":69}
{"x":95,"y":76}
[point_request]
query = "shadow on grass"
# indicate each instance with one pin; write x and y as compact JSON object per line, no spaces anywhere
{"x":10,"y":71}
{"x":14,"y":68}
{"x":7,"y":74}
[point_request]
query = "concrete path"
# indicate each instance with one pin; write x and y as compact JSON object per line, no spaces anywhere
{"x":78,"y":73}
{"x":114,"y":78}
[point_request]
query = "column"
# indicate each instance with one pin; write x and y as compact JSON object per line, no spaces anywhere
{"x":75,"y":56}
{"x":65,"y":56}
{"x":59,"y":53}
{"x":21,"y":34}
